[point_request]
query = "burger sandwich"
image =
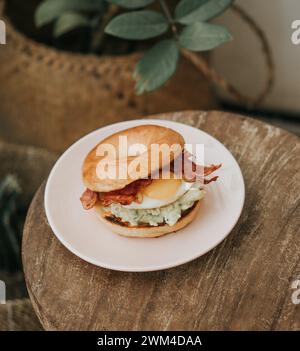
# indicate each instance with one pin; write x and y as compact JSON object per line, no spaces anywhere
{"x":143,"y":182}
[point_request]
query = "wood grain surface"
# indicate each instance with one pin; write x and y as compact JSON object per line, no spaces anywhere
{"x":245,"y":283}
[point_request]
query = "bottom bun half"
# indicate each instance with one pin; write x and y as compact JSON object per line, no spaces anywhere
{"x":141,"y":231}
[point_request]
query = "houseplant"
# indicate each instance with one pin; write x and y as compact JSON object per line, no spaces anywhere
{"x":188,"y":26}
{"x":63,"y":95}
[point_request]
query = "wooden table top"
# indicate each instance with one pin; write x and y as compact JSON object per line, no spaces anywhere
{"x":245,"y":283}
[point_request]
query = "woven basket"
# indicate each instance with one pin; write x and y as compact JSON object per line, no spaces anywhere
{"x":30,"y":165}
{"x":18,"y":315}
{"x":51,"y":98}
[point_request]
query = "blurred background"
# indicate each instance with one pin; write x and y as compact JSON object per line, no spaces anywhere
{"x":54,"y":90}
{"x":241,"y":60}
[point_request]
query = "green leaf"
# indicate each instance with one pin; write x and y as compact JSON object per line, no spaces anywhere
{"x":131,"y":4}
{"x":49,"y":10}
{"x":186,"y":7}
{"x":138,"y":25}
{"x":69,"y":21}
{"x":156,"y":66}
{"x":203,"y":36}
{"x":190,"y":11}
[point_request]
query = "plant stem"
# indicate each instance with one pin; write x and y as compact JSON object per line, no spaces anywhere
{"x":169,"y":17}
{"x":199,"y":62}
{"x":99,"y":34}
{"x":202,"y":65}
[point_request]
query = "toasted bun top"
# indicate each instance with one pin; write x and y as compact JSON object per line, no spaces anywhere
{"x":140,"y":158}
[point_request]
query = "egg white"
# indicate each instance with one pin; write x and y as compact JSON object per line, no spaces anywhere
{"x":150,"y":203}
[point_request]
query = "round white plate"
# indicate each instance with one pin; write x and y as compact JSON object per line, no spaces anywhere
{"x":86,"y":236}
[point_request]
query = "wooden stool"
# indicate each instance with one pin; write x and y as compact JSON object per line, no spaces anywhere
{"x":245,"y":283}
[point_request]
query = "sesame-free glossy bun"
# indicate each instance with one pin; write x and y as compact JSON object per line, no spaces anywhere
{"x":148,"y":231}
{"x":143,"y":134}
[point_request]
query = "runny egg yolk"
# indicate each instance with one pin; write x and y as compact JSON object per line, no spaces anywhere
{"x":161,"y":189}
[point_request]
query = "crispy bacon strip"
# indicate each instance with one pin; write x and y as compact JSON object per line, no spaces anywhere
{"x":89,"y":199}
{"x":126,"y":195}
{"x":213,"y":179}
{"x":192,"y":172}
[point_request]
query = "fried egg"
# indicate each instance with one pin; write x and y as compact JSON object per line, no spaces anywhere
{"x":161,"y":192}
